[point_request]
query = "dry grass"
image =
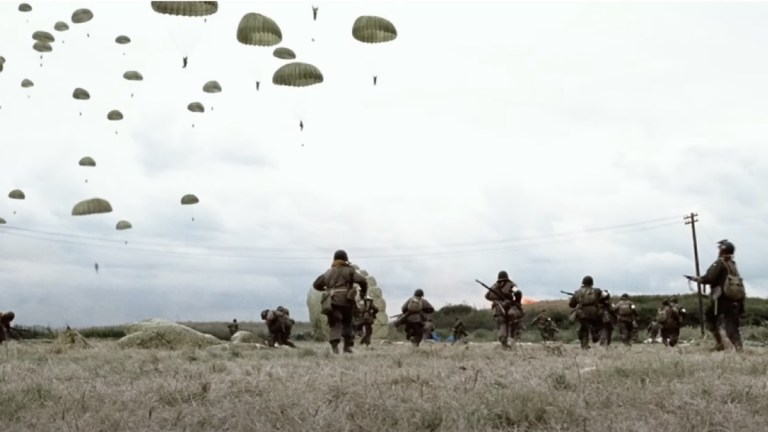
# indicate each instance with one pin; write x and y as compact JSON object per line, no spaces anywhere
{"x":391,"y":387}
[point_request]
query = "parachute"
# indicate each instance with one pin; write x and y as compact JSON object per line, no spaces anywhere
{"x":123,"y":225}
{"x":189,"y":199}
{"x":259,"y":30}
{"x":186,"y":8}
{"x":81,"y":94}
{"x":133,"y":76}
{"x":373,"y":29}
{"x":2,"y":221}
{"x":122,"y":40}
{"x":82,"y":16}
{"x":91,"y":206}
{"x":114,"y":115}
{"x":87,"y":161}
{"x":297,"y":74}
{"x":196,"y":107}
{"x":25,"y":7}
{"x":2,"y":62}
{"x":212,"y":87}
{"x":43,"y":47}
{"x":27,"y":83}
{"x":16,"y":194}
{"x":284,"y":53}
{"x":43,"y":36}
{"x":61,"y":26}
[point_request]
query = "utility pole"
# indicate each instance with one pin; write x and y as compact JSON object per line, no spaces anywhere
{"x":691,"y":220}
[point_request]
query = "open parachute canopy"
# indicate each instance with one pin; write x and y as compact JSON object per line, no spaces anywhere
{"x":61,"y":26}
{"x":373,"y":29}
{"x":81,"y":94}
{"x":133,"y":76}
{"x":25,"y":7}
{"x":114,"y":115}
{"x":16,"y":194}
{"x":297,"y":74}
{"x":87,"y":161}
{"x":186,"y":8}
{"x":123,"y":225}
{"x":212,"y":87}
{"x":91,"y":206}
{"x":27,"y":83}
{"x":43,"y":47}
{"x":284,"y":53}
{"x":259,"y":30}
{"x":2,"y":221}
{"x":122,"y":40}
{"x":82,"y":16}
{"x":43,"y":36}
{"x":189,"y":199}
{"x":196,"y":107}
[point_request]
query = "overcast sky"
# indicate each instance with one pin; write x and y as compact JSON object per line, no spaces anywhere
{"x":551,"y":140}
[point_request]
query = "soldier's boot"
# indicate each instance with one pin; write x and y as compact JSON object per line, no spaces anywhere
{"x":504,"y":343}
{"x":719,"y":346}
{"x":348,"y":344}
{"x":335,"y":346}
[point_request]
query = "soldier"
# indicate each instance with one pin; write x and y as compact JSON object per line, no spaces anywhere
{"x":367,"y":317}
{"x":507,"y":307}
{"x":727,"y":296}
{"x":608,"y":319}
{"x":6,"y":331}
{"x":680,"y":310}
{"x":339,"y":305}
{"x":669,"y":321}
{"x":626,"y":315}
{"x":585,"y":304}
{"x":279,"y":326}
{"x":233,"y":327}
{"x":415,"y":312}
{"x":458,"y":330}
{"x":653,"y":330}
{"x":429,"y":329}
{"x":547,"y":327}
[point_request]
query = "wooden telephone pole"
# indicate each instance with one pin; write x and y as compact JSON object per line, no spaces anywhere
{"x":691,"y":220}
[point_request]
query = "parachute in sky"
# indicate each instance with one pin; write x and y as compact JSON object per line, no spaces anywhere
{"x":42,"y":47}
{"x":43,"y":36}
{"x":373,"y":29}
{"x":25,"y":7}
{"x":212,"y":87}
{"x":186,"y":8}
{"x":87,"y":161}
{"x":123,"y":225}
{"x":189,"y":199}
{"x":61,"y":26}
{"x":16,"y":194}
{"x":2,"y":62}
{"x":114,"y":115}
{"x":196,"y":107}
{"x":122,"y":40}
{"x":91,"y":206}
{"x":26,"y":83}
{"x":297,"y":74}
{"x":133,"y":76}
{"x":82,"y":16}
{"x":81,"y":94}
{"x":2,"y":221}
{"x":258,"y":30}
{"x":284,"y":53}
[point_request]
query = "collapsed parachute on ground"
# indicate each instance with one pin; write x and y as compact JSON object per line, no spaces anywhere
{"x":212,"y":87}
{"x":259,"y":30}
{"x":123,"y":225}
{"x":61,"y":26}
{"x":133,"y":76}
{"x":25,"y":7}
{"x":122,"y":40}
{"x":196,"y":107}
{"x":373,"y":29}
{"x":27,"y":83}
{"x":16,"y":194}
{"x":87,"y":161}
{"x":43,"y":36}
{"x":297,"y":74}
{"x":91,"y":206}
{"x":81,"y":94}
{"x":186,"y":8}
{"x":189,"y":199}
{"x":284,"y":53}
{"x":114,"y":115}
{"x":82,"y":16}
{"x":43,"y":47}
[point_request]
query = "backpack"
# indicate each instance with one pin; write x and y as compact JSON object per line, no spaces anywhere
{"x":733,"y":288}
{"x":662,"y":316}
{"x":589,"y":296}
{"x":414,"y":305}
{"x":625,"y":308}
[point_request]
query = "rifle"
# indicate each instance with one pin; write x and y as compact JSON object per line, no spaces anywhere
{"x":498,"y":294}
{"x":567,"y":293}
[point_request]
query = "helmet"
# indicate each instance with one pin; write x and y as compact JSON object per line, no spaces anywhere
{"x":503,"y":275}
{"x":587,"y":281}
{"x":264,"y":314}
{"x":726,"y":247}
{"x":234,"y":320}
{"x":340,"y":255}
{"x":673,"y":299}
{"x":418,"y":293}
{"x":626,"y":296}
{"x":9,"y":316}
{"x":665,"y":303}
{"x":605,"y":294}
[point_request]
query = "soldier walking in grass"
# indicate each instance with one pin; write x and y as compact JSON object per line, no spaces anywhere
{"x":585,"y":304}
{"x":547,"y":327}
{"x":233,"y":327}
{"x":627,"y":315}
{"x":416,"y":311}
{"x":338,"y":303}
{"x":6,"y":331}
{"x":653,"y":330}
{"x":669,"y":321}
{"x":458,"y":330}
{"x":727,"y":295}
{"x":279,"y":326}
{"x":608,"y":319}
{"x":367,"y":313}
{"x":507,"y":307}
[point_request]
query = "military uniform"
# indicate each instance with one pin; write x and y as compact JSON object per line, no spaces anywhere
{"x":338,"y":283}
{"x":669,"y":321}
{"x":415,"y":310}
{"x":507,"y":307}
{"x":626,"y":314}
{"x":547,"y":327}
{"x":233,"y":327}
{"x":6,"y":331}
{"x":279,"y":325}
{"x":458,"y":330}
{"x":608,"y":320}
{"x":429,"y":329}
{"x":585,"y":304}
{"x":653,"y":330}
{"x":723,"y":312}
{"x":367,"y":315}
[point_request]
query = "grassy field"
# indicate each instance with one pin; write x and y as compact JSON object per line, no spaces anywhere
{"x":436,"y":387}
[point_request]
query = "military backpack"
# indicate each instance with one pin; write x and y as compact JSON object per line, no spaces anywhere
{"x":589,"y":296}
{"x":414,"y":305}
{"x":625,"y":308}
{"x":733,"y":288}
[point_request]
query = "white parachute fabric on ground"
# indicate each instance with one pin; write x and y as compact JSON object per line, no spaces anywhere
{"x":154,"y":333}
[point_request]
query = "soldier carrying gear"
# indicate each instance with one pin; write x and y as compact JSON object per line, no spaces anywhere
{"x":626,"y":316}
{"x":6,"y":331}
{"x":458,"y":330}
{"x":585,"y":304}
{"x":669,"y":323}
{"x":233,"y":327}
{"x":727,"y":295}
{"x":338,"y":299}
{"x":653,"y":330}
{"x":367,"y":315}
{"x":279,"y":326}
{"x":547,"y":327}
{"x":507,"y":307}
{"x":416,"y":311}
